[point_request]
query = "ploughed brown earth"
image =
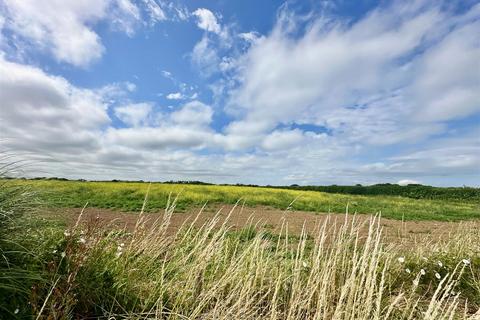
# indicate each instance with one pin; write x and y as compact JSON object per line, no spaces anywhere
{"x":267,"y":219}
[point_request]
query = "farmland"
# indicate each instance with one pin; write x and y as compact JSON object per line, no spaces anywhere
{"x":141,"y":250}
{"x":129,"y":196}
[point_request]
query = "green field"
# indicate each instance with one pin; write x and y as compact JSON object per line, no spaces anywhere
{"x":129,"y":196}
{"x":51,"y":269}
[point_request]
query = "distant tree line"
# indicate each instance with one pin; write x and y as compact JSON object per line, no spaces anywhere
{"x":416,"y":191}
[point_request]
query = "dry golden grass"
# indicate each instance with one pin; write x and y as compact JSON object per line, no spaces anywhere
{"x":210,"y":272}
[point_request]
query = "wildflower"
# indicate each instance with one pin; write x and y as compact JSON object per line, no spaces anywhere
{"x":119,"y":250}
{"x":422,"y":272}
{"x":466,"y":261}
{"x":66,"y":233}
{"x":63,"y":254}
{"x":408,"y":270}
{"x":440,"y":264}
{"x":304,"y":264}
{"x":16,"y":311}
{"x":122,"y":244}
{"x":54,"y":251}
{"x":82,"y":240}
{"x":401,"y":259}
{"x":437,"y":275}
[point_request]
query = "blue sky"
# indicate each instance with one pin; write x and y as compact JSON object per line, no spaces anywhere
{"x":265,"y":92}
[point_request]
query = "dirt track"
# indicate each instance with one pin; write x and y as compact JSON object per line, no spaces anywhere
{"x":266,"y":218}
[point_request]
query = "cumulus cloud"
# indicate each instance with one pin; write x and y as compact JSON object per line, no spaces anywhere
{"x":194,"y":113}
{"x":66,"y":29}
{"x":156,"y":138}
{"x":207,"y":21}
{"x":135,"y":114}
{"x":406,"y":182}
{"x":250,"y":37}
{"x":67,"y":130}
{"x":175,"y":96}
{"x":278,"y":140}
{"x":53,"y":115}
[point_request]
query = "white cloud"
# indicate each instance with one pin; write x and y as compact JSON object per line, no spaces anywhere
{"x":66,"y":29}
{"x":371,"y":81}
{"x":156,"y":138}
{"x":155,"y":11}
{"x":406,"y":182}
{"x":447,"y":85}
{"x":135,"y":114}
{"x":53,"y":116}
{"x":207,"y":21}
{"x":205,"y":57}
{"x":185,"y":128}
{"x":278,"y":140}
{"x":175,"y":96}
{"x":251,"y":37}
{"x":130,"y":86}
{"x":193,"y":114}
{"x":167,"y":74}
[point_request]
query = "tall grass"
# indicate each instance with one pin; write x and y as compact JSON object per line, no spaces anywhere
{"x":16,"y":201}
{"x":213,"y":272}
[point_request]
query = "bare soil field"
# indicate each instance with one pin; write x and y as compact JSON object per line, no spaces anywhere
{"x":265,"y":218}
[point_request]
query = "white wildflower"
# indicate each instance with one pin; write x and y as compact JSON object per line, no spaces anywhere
{"x":440,"y":264}
{"x":422,"y":272}
{"x":119,"y":248}
{"x":54,"y":251}
{"x":466,"y":261}
{"x":437,"y":275}
{"x":82,"y":240}
{"x":63,"y":254}
{"x":16,"y":311}
{"x":304,"y":264}
{"x":122,"y":244}
{"x":66,"y":233}
{"x":408,"y":270}
{"x":401,"y":259}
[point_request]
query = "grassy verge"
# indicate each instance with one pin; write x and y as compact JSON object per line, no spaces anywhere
{"x":213,"y":273}
{"x":129,"y":197}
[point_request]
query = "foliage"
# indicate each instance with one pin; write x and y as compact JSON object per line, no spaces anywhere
{"x":415,"y":191}
{"x":18,"y":270}
{"x":214,"y":273}
{"x":129,"y":197}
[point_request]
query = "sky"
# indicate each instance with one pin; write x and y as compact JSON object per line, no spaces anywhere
{"x":261,"y":92}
